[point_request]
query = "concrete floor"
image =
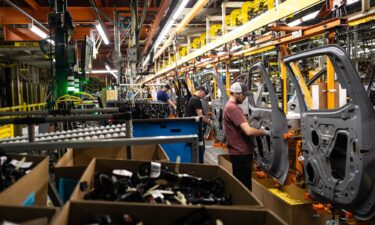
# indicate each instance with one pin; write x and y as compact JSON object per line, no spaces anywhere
{"x":211,"y":153}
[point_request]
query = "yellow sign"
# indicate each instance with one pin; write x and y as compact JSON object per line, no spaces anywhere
{"x":112,"y":95}
{"x":26,"y":44}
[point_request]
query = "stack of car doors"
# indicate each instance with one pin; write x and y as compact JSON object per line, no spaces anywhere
{"x":338,"y":144}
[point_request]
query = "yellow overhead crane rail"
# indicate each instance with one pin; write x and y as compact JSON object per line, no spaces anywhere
{"x":283,"y":10}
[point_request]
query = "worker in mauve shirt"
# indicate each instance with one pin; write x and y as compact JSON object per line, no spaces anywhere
{"x":238,"y":132}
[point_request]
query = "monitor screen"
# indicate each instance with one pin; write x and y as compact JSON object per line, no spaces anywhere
{"x":86,"y":55}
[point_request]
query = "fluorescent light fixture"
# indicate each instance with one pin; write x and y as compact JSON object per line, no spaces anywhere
{"x":108,"y":68}
{"x":230,"y":70}
{"x":310,"y":16}
{"x":146,"y":60}
{"x":235,"y":48}
{"x":103,"y":71}
{"x":169,"y":24}
{"x":95,"y":51}
{"x":304,"y":19}
{"x":36,"y":30}
{"x":102,"y":33}
{"x":204,"y":60}
{"x":349,"y":2}
{"x":163,"y":33}
{"x":220,"y":53}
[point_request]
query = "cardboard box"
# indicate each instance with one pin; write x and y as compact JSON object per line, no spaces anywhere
{"x":240,"y":194}
{"x":32,"y":188}
{"x":27,"y":215}
{"x":296,"y":211}
{"x":78,"y":212}
{"x":70,"y":167}
{"x":82,"y":157}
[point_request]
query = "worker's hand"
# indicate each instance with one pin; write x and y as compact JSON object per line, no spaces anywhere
{"x":211,"y":123}
{"x":267,"y":133}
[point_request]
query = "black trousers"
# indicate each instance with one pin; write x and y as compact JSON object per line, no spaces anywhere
{"x":242,"y":168}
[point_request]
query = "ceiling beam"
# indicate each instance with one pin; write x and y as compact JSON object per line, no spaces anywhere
{"x":156,"y":23}
{"x":33,"y":4}
{"x":98,"y":3}
{"x":19,"y":34}
{"x":80,"y":14}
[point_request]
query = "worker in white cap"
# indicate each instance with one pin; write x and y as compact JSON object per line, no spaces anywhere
{"x":238,"y":133}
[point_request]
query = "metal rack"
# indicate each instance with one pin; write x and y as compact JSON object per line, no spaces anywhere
{"x":35,"y":146}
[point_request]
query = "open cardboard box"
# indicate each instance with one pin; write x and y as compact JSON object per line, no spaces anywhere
{"x":27,"y":215}
{"x":32,"y":188}
{"x":79,"y":212}
{"x":82,"y":157}
{"x":299,"y":212}
{"x":71,"y":166}
{"x":241,"y":196}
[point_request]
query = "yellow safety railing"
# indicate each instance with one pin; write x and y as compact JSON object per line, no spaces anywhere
{"x":24,"y":108}
{"x":7,"y":131}
{"x":74,"y":99}
{"x":86,"y":94}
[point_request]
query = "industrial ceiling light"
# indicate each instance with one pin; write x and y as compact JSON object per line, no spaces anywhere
{"x":36,"y":30}
{"x":146,"y":60}
{"x":313,"y":15}
{"x":103,"y":71}
{"x":108,"y":68}
{"x":166,"y":28}
{"x":102,"y":32}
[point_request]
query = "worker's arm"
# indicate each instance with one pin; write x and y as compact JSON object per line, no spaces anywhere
{"x":249,"y":131}
{"x":169,"y":101}
{"x":204,"y":118}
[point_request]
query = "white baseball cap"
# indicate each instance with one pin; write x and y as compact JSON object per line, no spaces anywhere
{"x":240,"y":87}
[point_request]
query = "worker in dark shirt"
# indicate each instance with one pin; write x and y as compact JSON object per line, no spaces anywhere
{"x":237,"y":133}
{"x":195,"y":108}
{"x":163,"y":96}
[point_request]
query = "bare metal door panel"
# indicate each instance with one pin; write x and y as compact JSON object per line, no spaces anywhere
{"x":339,"y":145}
{"x":271,"y":152}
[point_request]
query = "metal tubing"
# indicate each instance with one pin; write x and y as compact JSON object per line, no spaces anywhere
{"x":28,"y":147}
{"x":37,"y":120}
{"x":31,"y":132}
{"x":59,"y":112}
{"x":129,"y":134}
{"x":117,"y":43}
